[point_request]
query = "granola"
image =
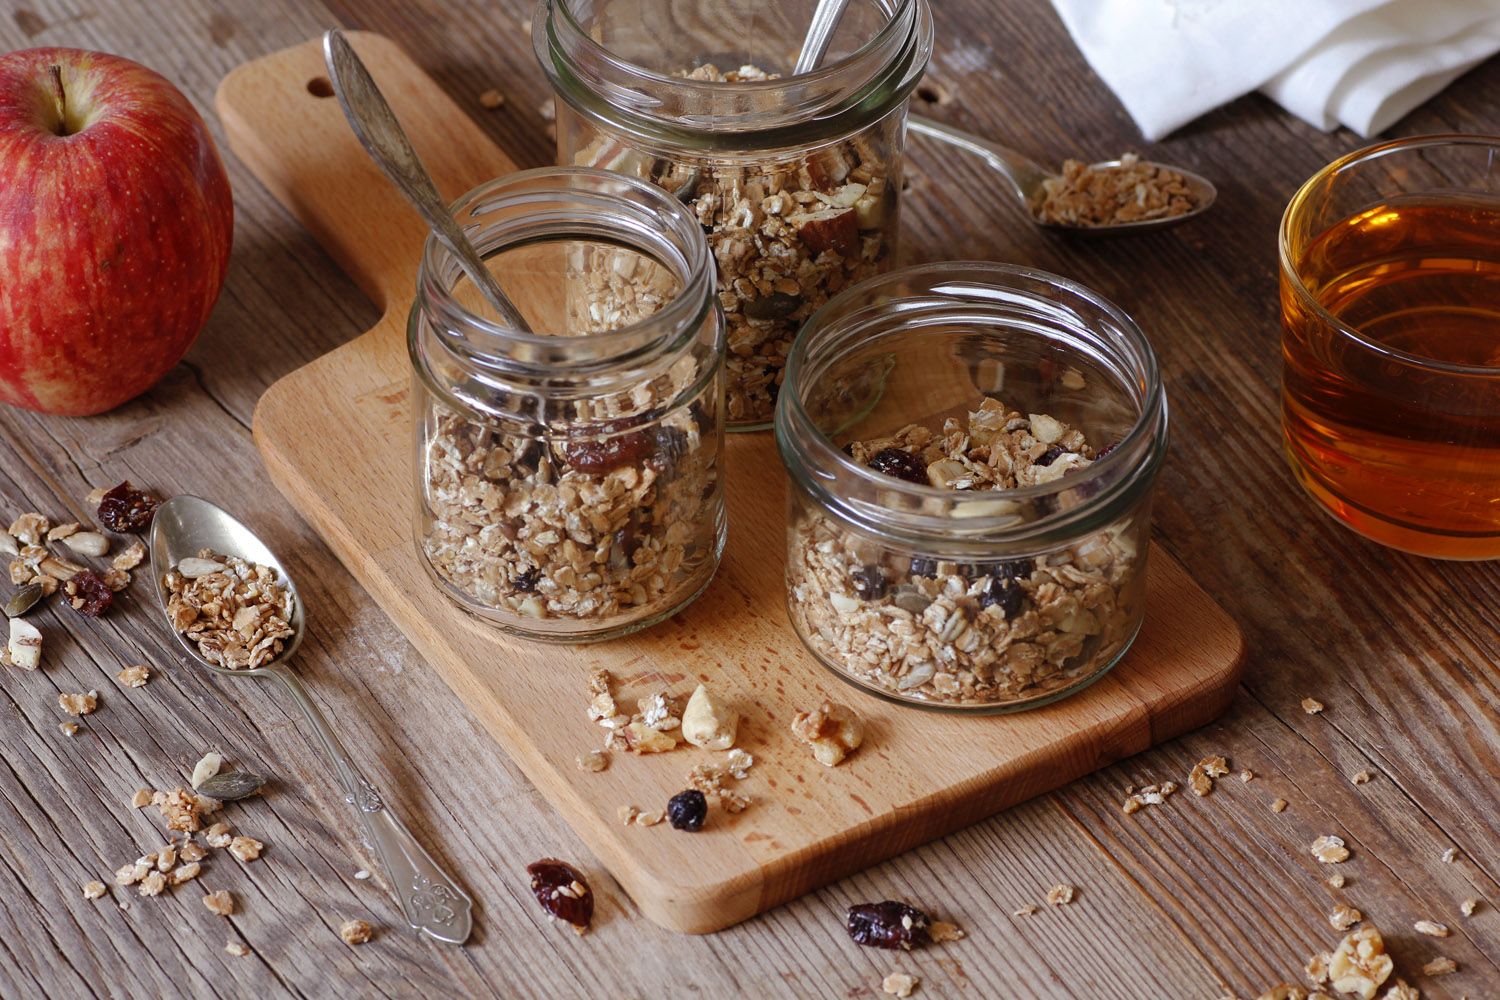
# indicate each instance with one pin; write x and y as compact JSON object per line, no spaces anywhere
{"x":941,"y":631}
{"x":1359,"y":964}
{"x":355,"y":931}
{"x":833,"y":731}
{"x":1132,"y":191}
{"x":787,"y":232}
{"x":238,"y":613}
{"x":219,"y":902}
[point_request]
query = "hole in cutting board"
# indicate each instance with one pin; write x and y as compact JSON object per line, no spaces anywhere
{"x":320,"y":86}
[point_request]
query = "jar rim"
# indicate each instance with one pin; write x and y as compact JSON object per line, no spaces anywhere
{"x":836,"y":98}
{"x":813,"y":459}
{"x":1299,"y":203}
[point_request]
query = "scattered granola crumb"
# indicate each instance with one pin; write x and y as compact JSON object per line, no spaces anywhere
{"x":941,"y":931}
{"x":832,"y":730}
{"x":650,"y":817}
{"x":1278,"y":805}
{"x":491,"y":99}
{"x":1201,"y":777}
{"x":1149,"y":795}
{"x":362,"y":874}
{"x":1450,"y":855}
{"x":153,"y":884}
{"x":1060,"y":894}
{"x":166,"y":858}
{"x":93,"y":890}
{"x":737,"y":762}
{"x":627,"y":814}
{"x":1440,"y":966}
{"x":709,"y":779}
{"x":185,"y":873}
{"x":1359,"y":964}
{"x":1468,"y":906}
{"x":236,"y":949}
{"x":1312,"y":706}
{"x":1317,"y":968}
{"x":899,"y":984}
{"x":1431,"y":928}
{"x":130,"y":557}
{"x":79,"y":704}
{"x":134,"y":677}
{"x":641,"y":738}
{"x":1362,"y":778}
{"x":1344,"y":917}
{"x":184,"y":810}
{"x":245,"y":848}
{"x":217,"y":835}
{"x":594,"y":760}
{"x":192,"y":851}
{"x":1330,"y":850}
{"x":1023,"y":911}
{"x":1336,"y":881}
{"x":355,"y":931}
{"x":1247,"y":776}
{"x":220,"y":902}
{"x":141,"y":798}
{"x":68,"y":728}
{"x":1402,"y":991}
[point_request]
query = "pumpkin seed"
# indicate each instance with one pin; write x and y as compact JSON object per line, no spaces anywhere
{"x":23,"y":600}
{"x":193,"y":567}
{"x":230,"y":785}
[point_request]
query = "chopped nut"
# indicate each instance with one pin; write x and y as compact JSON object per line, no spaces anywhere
{"x":833,"y":731}
{"x":1312,"y":706}
{"x":627,"y":814}
{"x":707,"y":722}
{"x":131,"y":557}
{"x":1359,"y":964}
{"x":491,"y":99}
{"x":355,"y":931}
{"x":899,"y":984}
{"x":62,"y":531}
{"x":25,"y":647}
{"x":594,"y":760}
{"x":940,"y":931}
{"x":219,"y":902}
{"x":1201,"y":778}
{"x":142,"y":797}
{"x":245,"y":848}
{"x":1317,"y":968}
{"x":79,"y":704}
{"x":93,"y":890}
{"x":1431,"y":928}
{"x":1468,"y":906}
{"x":208,"y":765}
{"x":29,"y":529}
{"x":116,"y":580}
{"x":1439,"y":966}
{"x":1247,"y":776}
{"x":1278,"y":805}
{"x":641,"y":738}
{"x":134,"y":677}
{"x":1330,"y":850}
{"x":1344,"y":917}
{"x":1335,"y":881}
{"x":1060,"y":894}
{"x":236,"y":949}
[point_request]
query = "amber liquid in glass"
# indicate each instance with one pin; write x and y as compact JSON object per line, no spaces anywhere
{"x":1405,"y":451}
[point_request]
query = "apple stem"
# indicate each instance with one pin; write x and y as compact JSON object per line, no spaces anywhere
{"x":62,"y":107}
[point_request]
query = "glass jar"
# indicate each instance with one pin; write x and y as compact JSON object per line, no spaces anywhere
{"x":796,"y":179}
{"x":972,"y":450}
{"x":569,"y":483}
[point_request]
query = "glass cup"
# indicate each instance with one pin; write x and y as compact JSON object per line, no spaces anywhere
{"x":1390,"y":301}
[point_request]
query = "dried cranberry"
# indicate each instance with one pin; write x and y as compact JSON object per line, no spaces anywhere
{"x":869,"y":582}
{"x":1106,"y":450}
{"x":527,"y":579}
{"x":1004,"y":592}
{"x":126,"y":509}
{"x":888,"y":925}
{"x":89,"y":594}
{"x":610,"y":453}
{"x":1049,"y":456}
{"x":687,"y":810}
{"x":562,"y":891}
{"x":900,"y":464}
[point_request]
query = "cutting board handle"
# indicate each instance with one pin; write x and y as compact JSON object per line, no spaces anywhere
{"x":284,"y":123}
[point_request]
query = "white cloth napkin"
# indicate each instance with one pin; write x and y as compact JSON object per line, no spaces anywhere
{"x":1359,"y":63}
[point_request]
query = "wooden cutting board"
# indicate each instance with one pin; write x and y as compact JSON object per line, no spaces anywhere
{"x":336,"y":437}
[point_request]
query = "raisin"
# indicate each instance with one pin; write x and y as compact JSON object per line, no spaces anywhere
{"x":1005,"y":592}
{"x":888,"y":925}
{"x":126,"y":509}
{"x":562,"y":891}
{"x":687,"y":810}
{"x":89,"y":594}
{"x":606,"y":455}
{"x":869,"y":582}
{"x":900,"y":464}
{"x":1009,"y":569}
{"x":773,"y":387}
{"x":1106,"y":450}
{"x":526,"y":581}
{"x":923,"y":567}
{"x":1049,"y":456}
{"x":671,"y":445}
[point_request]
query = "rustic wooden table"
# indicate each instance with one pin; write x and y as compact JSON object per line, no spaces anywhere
{"x":1196,"y":899}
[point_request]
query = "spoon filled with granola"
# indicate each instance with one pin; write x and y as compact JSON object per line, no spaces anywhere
{"x":235,"y":610}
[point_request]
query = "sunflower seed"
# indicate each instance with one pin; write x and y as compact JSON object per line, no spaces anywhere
{"x":192,"y":568}
{"x":23,"y":600}
{"x":231,"y":785}
{"x":87,"y":543}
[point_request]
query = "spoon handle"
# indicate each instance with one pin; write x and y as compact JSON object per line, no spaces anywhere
{"x":433,"y":902}
{"x":1025,"y":175}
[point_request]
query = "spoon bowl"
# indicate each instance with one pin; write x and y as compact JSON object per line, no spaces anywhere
{"x":1202,"y":189}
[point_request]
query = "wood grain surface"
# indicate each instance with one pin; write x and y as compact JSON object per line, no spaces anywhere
{"x":1198,"y":899}
{"x":809,"y":825}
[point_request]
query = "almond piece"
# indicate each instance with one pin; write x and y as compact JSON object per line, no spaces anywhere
{"x":835,"y":229}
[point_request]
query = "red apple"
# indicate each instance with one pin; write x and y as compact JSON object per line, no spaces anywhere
{"x":115,"y":227}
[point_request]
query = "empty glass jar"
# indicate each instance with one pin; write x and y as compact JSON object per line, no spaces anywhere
{"x":795,"y":179}
{"x":972,"y":450}
{"x":569,"y":481}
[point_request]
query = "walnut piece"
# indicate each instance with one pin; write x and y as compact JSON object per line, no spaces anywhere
{"x":134,"y":677}
{"x":1359,"y":964}
{"x":833,"y":731}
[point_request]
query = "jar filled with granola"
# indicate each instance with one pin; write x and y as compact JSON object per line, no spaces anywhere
{"x":795,"y":178}
{"x":972,"y":450}
{"x":569,"y":477}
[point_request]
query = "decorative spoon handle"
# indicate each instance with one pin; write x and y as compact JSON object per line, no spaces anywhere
{"x":433,"y":902}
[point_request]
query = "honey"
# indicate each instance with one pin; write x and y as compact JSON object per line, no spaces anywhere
{"x":1391,"y":379}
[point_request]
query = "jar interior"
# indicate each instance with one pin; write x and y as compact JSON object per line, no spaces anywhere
{"x":670,"y":38}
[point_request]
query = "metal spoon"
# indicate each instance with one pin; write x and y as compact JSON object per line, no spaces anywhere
{"x":1024,"y":174}
{"x":433,"y":902}
{"x":377,"y":129}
